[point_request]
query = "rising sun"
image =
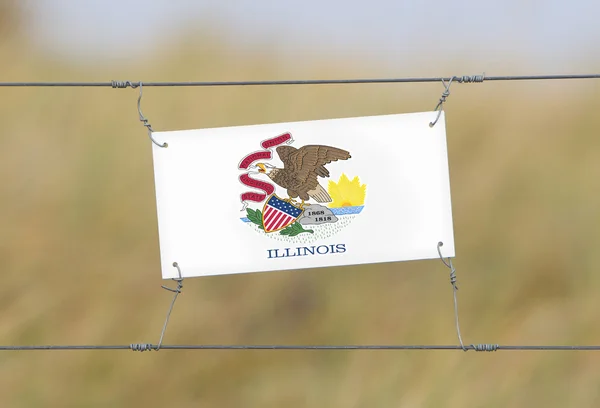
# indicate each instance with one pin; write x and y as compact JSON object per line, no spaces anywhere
{"x":346,"y":193}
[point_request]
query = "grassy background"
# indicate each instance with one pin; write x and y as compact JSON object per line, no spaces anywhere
{"x":79,"y":246}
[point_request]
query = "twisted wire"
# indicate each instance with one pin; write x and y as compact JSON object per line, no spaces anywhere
{"x":124,"y":84}
{"x":142,"y":118}
{"x":443,"y":98}
{"x":466,"y":79}
{"x":142,"y":347}
{"x":454,"y":290}
{"x":176,"y":292}
{"x":476,"y":347}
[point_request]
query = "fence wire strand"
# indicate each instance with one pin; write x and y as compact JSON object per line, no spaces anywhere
{"x":460,"y":79}
{"x":147,"y":347}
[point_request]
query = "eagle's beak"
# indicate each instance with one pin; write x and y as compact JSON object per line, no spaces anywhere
{"x":261,"y":168}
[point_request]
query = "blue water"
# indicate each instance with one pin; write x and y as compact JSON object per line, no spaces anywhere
{"x":335,"y":211}
{"x":347,"y":210}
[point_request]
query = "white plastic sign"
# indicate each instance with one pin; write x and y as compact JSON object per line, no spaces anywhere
{"x":303,"y":194}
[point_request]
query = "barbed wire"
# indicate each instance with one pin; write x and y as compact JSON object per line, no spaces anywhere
{"x":459,"y":79}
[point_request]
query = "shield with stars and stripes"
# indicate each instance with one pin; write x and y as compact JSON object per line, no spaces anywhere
{"x":278,"y":214}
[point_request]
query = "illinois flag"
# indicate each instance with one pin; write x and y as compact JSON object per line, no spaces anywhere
{"x":303,"y":194}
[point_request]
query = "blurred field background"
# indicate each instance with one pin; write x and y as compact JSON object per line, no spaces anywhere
{"x":80,"y":261}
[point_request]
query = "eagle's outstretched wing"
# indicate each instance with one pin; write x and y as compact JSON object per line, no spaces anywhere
{"x":308,"y":162}
{"x":310,"y":158}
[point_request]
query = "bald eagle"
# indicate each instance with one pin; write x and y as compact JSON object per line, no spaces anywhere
{"x":301,"y":167}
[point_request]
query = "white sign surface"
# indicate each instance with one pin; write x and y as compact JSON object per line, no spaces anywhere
{"x":303,"y":194}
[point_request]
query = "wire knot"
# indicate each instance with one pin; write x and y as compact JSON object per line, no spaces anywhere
{"x":450,"y":266}
{"x":455,"y":289}
{"x":179,"y":281}
{"x":440,"y":105}
{"x":467,"y":79}
{"x":124,"y":84}
{"x":177,"y":291}
{"x":141,"y":347}
{"x":143,"y":118}
{"x":485,"y":347}
{"x":445,"y":95}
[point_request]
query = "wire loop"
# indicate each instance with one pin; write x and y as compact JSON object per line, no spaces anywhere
{"x":465,"y":79}
{"x":145,"y":121}
{"x":454,"y":290}
{"x":177,"y":291}
{"x":476,"y":347}
{"x":439,"y":106}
